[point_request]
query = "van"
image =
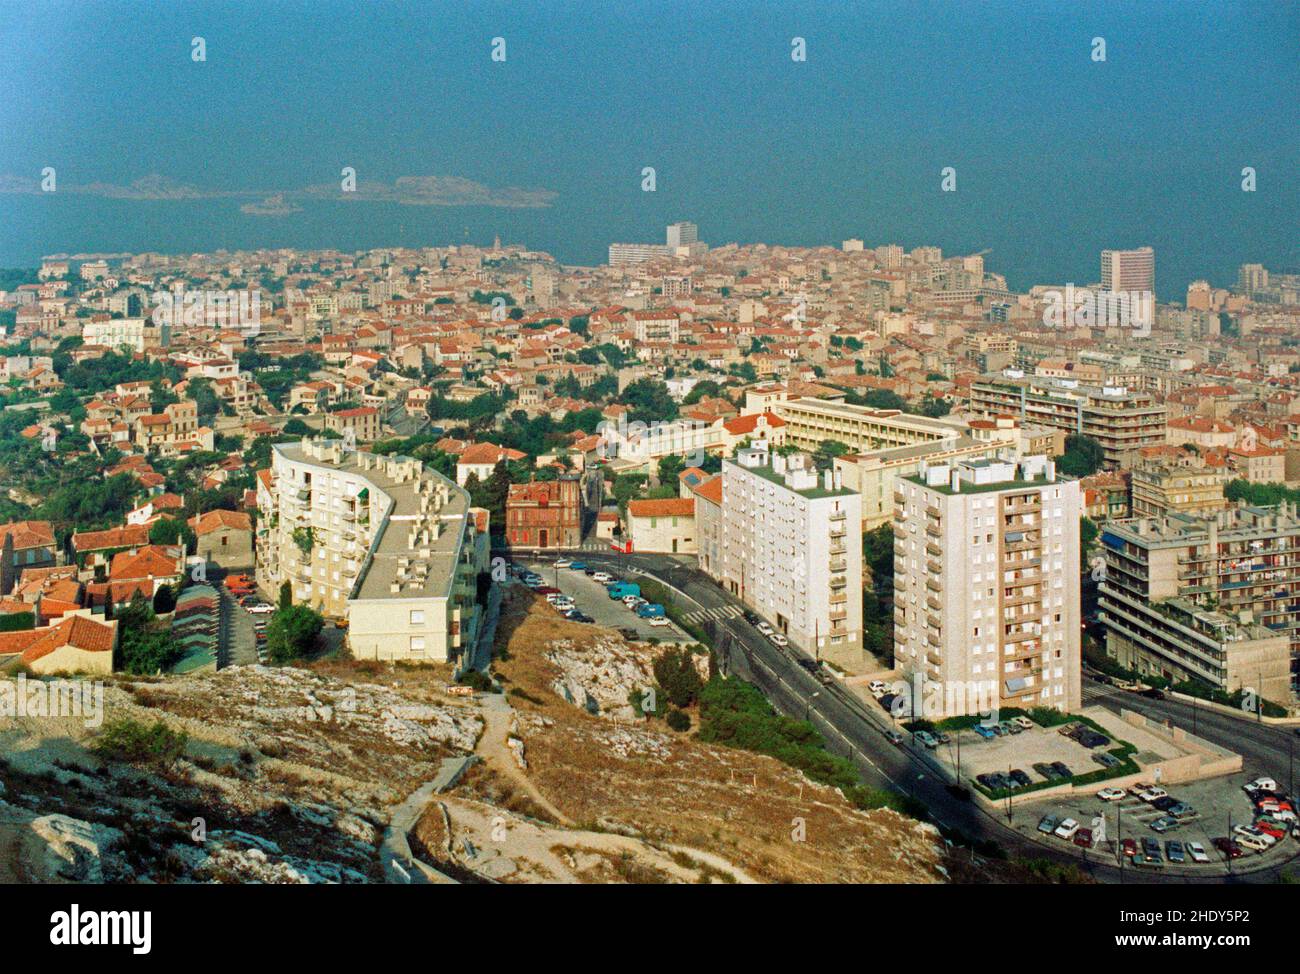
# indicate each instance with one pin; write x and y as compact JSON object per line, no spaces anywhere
{"x":621,"y":590}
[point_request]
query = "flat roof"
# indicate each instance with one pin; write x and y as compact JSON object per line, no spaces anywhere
{"x":382,"y":568}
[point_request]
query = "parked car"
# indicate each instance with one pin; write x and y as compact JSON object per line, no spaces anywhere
{"x":1047,"y":825}
{"x":1129,"y":848}
{"x":1062,"y":769}
{"x":751,"y":617}
{"x":1274,"y":829}
{"x":984,"y":732}
{"x":1144,"y":861}
{"x":1020,"y":778}
{"x":877,"y":688}
{"x":1174,"y":851}
{"x":261,"y":608}
{"x":1023,"y":722}
{"x":1083,"y":838}
{"x":1151,"y":794}
{"x":1166,"y":803}
{"x":1227,"y":847}
{"x":1105,"y":759}
{"x":1260,"y":784}
{"x":577,"y":566}
{"x":658,"y":621}
{"x":603,"y":577}
{"x":1067,"y":829}
{"x":1165,"y":823}
{"x":1180,"y":810}
{"x":1197,"y":852}
{"x":927,"y":739}
{"x":764,"y":628}
{"x":777,"y":638}
{"x":894,"y":737}
{"x":563,"y":562}
{"x":1150,"y":846}
{"x":1111,"y":794}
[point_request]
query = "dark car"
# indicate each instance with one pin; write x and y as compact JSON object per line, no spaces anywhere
{"x":1129,"y":847}
{"x":1083,"y":838}
{"x":1166,"y":803}
{"x":751,"y":617}
{"x":1020,"y":778}
{"x":1153,"y":693}
{"x":1150,"y":846}
{"x":1046,"y":770}
{"x":1106,"y":760}
{"x":1174,"y":851}
{"x":1229,"y":848}
{"x":1062,"y":769}
{"x":811,"y":665}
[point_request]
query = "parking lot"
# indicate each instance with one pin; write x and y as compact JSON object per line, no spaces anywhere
{"x":1219,"y":805}
{"x":589,"y":596}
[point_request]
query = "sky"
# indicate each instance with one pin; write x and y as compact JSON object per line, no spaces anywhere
{"x":1057,"y":156}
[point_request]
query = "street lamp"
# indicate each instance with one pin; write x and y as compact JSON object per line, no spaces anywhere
{"x":807,"y":705}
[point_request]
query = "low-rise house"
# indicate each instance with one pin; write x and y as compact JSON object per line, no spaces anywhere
{"x":664,"y":525}
{"x":225,"y":538}
{"x":75,"y":644}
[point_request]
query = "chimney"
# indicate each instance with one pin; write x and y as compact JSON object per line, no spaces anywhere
{"x":827,"y":480}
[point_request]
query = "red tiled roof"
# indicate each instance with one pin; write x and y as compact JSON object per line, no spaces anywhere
{"x":662,"y":507}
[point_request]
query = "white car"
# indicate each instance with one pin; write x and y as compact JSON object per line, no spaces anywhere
{"x":563,"y":604}
{"x":1111,"y":794}
{"x":260,"y":608}
{"x":877,"y":689}
{"x":1260,"y":784}
{"x":1252,"y":842}
{"x":658,"y":621}
{"x":1067,"y":829}
{"x":1152,"y":794}
{"x":777,"y":638}
{"x":602,"y":577}
{"x":764,"y":628}
{"x":1244,"y":832}
{"x":1024,"y":722}
{"x":563,"y":562}
{"x":631,"y":600}
{"x":1196,"y":851}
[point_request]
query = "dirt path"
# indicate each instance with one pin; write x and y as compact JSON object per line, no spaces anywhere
{"x":515,"y":849}
{"x":496,"y":753}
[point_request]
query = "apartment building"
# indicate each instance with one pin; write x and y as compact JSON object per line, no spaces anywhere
{"x":1122,"y":421}
{"x":173,"y":430}
{"x":663,"y":524}
{"x":810,"y":422}
{"x":1215,"y":599}
{"x":1162,"y":486}
{"x":655,"y":326}
{"x":986,"y":579}
{"x":788,"y":547}
{"x":1128,"y":270}
{"x":389,"y":545}
{"x":138,"y":334}
{"x":874,"y":475}
{"x":360,"y":423}
{"x":634,"y":253}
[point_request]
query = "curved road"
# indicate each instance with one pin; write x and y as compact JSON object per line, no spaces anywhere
{"x":857,"y":732}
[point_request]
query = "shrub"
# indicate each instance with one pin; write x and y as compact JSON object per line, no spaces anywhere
{"x":679,"y":720}
{"x":135,"y":743}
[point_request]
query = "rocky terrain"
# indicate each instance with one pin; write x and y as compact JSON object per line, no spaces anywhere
{"x":288,"y":776}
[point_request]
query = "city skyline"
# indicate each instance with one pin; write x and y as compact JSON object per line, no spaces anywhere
{"x":850,"y":142}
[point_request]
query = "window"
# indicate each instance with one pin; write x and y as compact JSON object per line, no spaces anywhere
{"x":417,"y":617}
{"x":417,"y":644}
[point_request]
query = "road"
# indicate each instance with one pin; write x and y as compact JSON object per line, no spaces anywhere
{"x":857,"y":732}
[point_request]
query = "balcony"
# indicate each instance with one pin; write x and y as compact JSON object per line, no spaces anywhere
{"x":933,"y":549}
{"x":838,"y":615}
{"x":934,"y":566}
{"x":900,"y":584}
{"x":933,"y":531}
{"x":839,"y":564}
{"x":837,"y":516}
{"x":932,"y":603}
{"x":934,"y":585}
{"x":933,"y":658}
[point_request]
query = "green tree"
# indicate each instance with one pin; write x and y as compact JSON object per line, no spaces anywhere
{"x":676,"y":675}
{"x":1083,"y":456}
{"x":292,"y":633}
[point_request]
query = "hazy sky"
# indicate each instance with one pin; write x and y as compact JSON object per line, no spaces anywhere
{"x":1057,"y":156}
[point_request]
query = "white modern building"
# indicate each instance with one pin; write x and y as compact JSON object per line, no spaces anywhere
{"x":383,"y":542}
{"x":790,"y":547}
{"x":1128,"y":270}
{"x":986,"y":580}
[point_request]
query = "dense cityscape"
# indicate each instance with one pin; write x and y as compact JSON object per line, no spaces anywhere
{"x":850,"y":448}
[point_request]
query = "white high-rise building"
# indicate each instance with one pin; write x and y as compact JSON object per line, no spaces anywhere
{"x":790,"y":546}
{"x":986,"y":579}
{"x":1128,"y":270}
{"x":635,"y":253}
{"x":682,"y":235}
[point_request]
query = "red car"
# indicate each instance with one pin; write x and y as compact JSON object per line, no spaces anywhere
{"x":1228,"y":847}
{"x":1083,"y":838}
{"x":1276,"y":831}
{"x":1130,"y":848}
{"x":545,"y":590}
